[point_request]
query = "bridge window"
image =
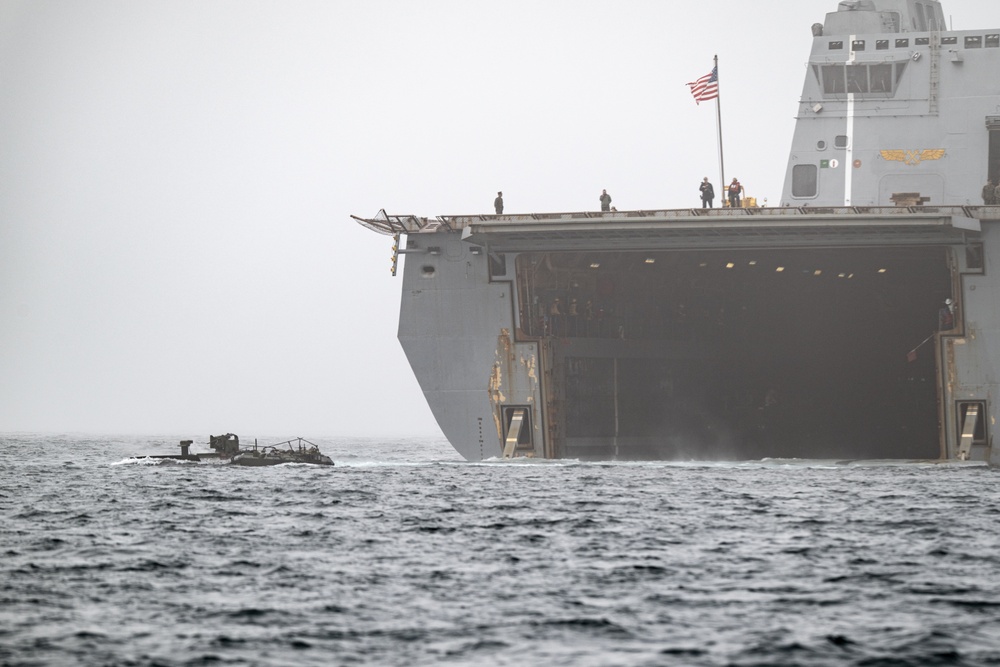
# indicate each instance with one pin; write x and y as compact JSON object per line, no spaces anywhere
{"x":859,"y":79}
{"x":992,"y":41}
{"x":902,"y":43}
{"x":836,"y":46}
{"x":974,"y":42}
{"x":833,"y":80}
{"x":804,"y":180}
{"x":858,"y":45}
{"x":840,"y":141}
{"x":880,"y":78}
{"x":881,"y":44}
{"x":949,"y":40}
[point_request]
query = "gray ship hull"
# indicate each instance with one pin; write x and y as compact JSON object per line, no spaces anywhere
{"x":700,"y":346}
{"x":857,"y":321}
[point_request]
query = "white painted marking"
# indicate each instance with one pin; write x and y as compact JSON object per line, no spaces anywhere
{"x":849,"y":153}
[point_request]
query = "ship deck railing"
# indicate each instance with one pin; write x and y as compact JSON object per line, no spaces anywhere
{"x":384,"y":223}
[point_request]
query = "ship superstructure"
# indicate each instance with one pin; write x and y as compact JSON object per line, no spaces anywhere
{"x":856,"y":320}
{"x":895,"y":109}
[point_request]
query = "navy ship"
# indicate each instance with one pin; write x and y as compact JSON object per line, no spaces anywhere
{"x":856,"y":320}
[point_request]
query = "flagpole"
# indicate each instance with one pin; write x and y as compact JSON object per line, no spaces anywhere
{"x":718,"y":116}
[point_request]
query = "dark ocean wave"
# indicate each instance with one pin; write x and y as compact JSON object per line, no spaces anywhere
{"x":400,"y":555}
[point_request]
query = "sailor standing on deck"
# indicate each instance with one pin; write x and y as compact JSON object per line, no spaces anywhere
{"x":605,"y":201}
{"x":707,"y":193}
{"x":988,"y":198}
{"x":498,"y":203}
{"x":735,"y":192}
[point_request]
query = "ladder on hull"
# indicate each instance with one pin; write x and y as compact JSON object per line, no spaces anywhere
{"x":513,"y":433}
{"x":968,"y":432}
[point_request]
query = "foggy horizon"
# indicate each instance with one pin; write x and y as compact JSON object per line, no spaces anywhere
{"x":176,"y":182}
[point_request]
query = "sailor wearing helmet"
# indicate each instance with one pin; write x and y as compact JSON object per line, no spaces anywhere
{"x":946,"y":316}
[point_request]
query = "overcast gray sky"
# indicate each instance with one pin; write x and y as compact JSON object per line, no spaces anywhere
{"x":176,"y":179}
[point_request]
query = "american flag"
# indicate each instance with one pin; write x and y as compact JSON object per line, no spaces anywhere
{"x":707,"y":87}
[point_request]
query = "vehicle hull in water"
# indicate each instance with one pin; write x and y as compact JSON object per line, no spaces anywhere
{"x":227,"y":450}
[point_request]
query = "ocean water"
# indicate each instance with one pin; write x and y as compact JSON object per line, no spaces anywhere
{"x":402,"y":554}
